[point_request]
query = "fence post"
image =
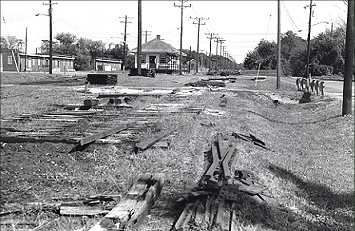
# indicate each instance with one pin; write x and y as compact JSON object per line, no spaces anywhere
{"x":298,"y":84}
{"x":316,"y":86}
{"x":321,"y":87}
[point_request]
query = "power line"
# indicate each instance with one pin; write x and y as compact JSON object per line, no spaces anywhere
{"x":290,"y":18}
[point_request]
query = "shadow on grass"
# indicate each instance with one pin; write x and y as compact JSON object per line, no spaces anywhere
{"x":337,"y":206}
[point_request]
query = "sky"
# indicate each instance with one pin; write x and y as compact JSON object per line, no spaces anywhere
{"x":242,"y":24}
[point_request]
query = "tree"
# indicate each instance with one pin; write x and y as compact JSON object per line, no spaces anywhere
{"x":291,"y":45}
{"x":252,"y":60}
{"x":66,"y":44}
{"x":10,"y":42}
{"x":264,"y":54}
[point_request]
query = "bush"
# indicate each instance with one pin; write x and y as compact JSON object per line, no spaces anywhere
{"x":319,"y":70}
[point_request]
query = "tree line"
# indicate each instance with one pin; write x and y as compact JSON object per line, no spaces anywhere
{"x":327,"y":54}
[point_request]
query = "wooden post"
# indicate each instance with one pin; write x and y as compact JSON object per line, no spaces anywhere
{"x":321,"y":88}
{"x":316,"y":87}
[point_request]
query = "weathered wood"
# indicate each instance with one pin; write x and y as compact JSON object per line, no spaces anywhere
{"x":143,"y":207}
{"x":133,"y":208}
{"x":223,"y":217}
{"x":234,"y":219}
{"x":207,"y":216}
{"x":102,"y":134}
{"x":199,"y":216}
{"x":144,"y":144}
{"x":185,"y":217}
{"x":82,"y":210}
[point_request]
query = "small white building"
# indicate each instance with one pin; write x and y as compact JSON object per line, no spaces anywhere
{"x":160,"y":56}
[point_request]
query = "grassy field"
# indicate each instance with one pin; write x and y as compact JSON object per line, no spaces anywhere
{"x":309,"y":168}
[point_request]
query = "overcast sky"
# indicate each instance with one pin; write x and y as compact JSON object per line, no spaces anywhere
{"x":242,"y":24}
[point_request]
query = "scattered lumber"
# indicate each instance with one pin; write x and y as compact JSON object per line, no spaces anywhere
{"x":99,"y":135}
{"x":144,"y":144}
{"x":133,"y":208}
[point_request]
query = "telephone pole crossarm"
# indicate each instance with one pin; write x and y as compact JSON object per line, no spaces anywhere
{"x":181,"y":30}
{"x":124,"y":42}
{"x":198,"y":38}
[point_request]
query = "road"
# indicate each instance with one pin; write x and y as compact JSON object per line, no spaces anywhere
{"x":332,"y":88}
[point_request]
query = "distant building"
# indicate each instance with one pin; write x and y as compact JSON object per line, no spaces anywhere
{"x":159,"y":55}
{"x":12,"y":60}
{"x":107,"y":65}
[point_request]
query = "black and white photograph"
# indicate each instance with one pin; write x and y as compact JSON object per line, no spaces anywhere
{"x":186,"y":115}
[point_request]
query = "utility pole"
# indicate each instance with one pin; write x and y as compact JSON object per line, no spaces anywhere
{"x":50,"y":35}
{"x":210,"y":38}
{"x":221,"y":41}
{"x":181,"y":30}
{"x":198,"y":38}
{"x":309,"y":37}
{"x":217,"y":41}
{"x":139,"y":45}
{"x":146,"y":35}
{"x":124,"y":42}
{"x":278,"y":67}
{"x":349,"y":60}
{"x":25,"y":50}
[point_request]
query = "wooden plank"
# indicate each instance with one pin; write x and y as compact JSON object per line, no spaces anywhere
{"x":199,"y":216}
{"x":234,"y":219}
{"x":227,"y":157}
{"x":82,"y":210}
{"x":223,"y":217}
{"x":185,"y":217}
{"x":142,"y":208}
{"x":102,"y":134}
{"x":131,"y":212}
{"x":144,"y":144}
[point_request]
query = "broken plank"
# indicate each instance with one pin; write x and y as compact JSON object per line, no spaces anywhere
{"x":82,"y":210}
{"x":131,"y":212}
{"x":142,"y":208}
{"x":89,"y":139}
{"x":144,"y":144}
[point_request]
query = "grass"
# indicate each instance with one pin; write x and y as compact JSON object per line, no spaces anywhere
{"x":310,"y":170}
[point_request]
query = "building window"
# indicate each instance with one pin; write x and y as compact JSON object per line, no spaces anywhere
{"x":162,"y":59}
{"x":39,"y":62}
{"x":29,"y":63}
{"x":9,"y":60}
{"x":58,"y":63}
{"x":142,"y":58}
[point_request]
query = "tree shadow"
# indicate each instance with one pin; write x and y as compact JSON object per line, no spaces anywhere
{"x":319,"y":194}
